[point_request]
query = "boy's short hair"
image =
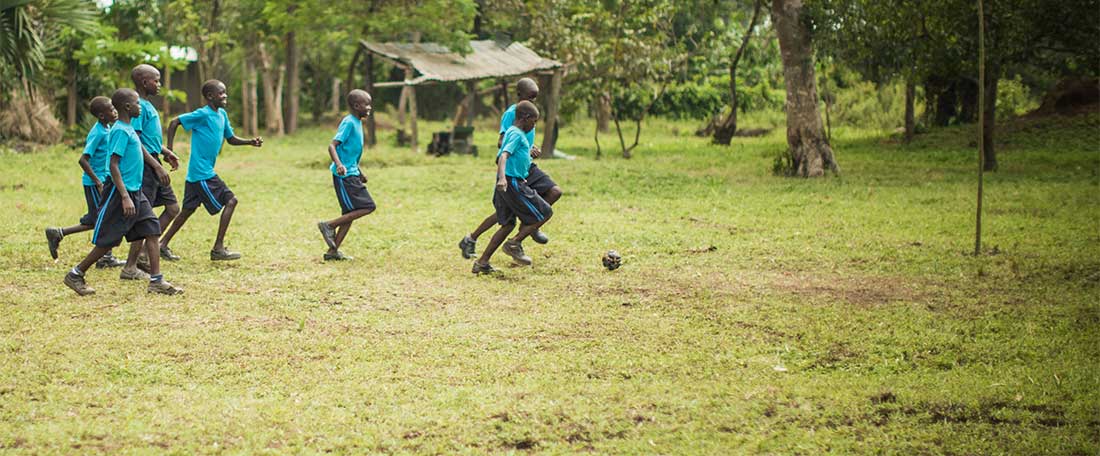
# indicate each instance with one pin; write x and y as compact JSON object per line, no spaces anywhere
{"x":209,"y":86}
{"x":122,"y":96}
{"x":140,"y":72}
{"x":99,"y":105}
{"x":526,"y":85}
{"x":526,"y":109}
{"x":357,"y":93}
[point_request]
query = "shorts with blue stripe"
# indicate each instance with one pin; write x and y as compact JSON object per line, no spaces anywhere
{"x":211,"y":193}
{"x":522,"y":201}
{"x":352,"y":194}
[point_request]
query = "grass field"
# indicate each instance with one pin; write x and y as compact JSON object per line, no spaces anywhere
{"x":753,"y":313}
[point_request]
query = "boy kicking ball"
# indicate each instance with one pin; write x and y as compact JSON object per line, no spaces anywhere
{"x":209,"y":127}
{"x":345,"y":150}
{"x":125,"y":212}
{"x":513,"y":197}
{"x":94,"y":163}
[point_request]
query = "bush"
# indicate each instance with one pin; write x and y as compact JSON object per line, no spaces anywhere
{"x":27,"y":120}
{"x":1014,"y":99}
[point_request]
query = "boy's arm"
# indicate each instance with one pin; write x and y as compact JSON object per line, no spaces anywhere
{"x":502,"y":182}
{"x":170,"y":157}
{"x":172,"y":126}
{"x":162,"y":175}
{"x":500,"y":140}
{"x":116,"y":177}
{"x":340,"y":169}
{"x":237,"y":141}
{"x":87,"y":167}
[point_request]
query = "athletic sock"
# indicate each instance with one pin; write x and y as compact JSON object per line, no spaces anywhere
{"x":76,"y":270}
{"x":156,"y":278}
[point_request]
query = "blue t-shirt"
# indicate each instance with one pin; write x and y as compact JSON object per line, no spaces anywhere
{"x":95,"y":147}
{"x":519,"y":153}
{"x":147,"y":126}
{"x":209,"y":129}
{"x":508,"y":118}
{"x":350,"y":135}
{"x":123,"y":141}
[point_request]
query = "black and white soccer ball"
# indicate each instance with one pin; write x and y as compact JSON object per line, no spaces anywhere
{"x":612,"y":260}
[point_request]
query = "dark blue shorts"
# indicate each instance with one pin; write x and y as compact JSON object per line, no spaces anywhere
{"x":157,"y":193}
{"x":212,"y":194}
{"x":111,"y":225}
{"x":539,"y":180}
{"x":92,"y":198}
{"x":352,"y":194}
{"x":520,"y":201}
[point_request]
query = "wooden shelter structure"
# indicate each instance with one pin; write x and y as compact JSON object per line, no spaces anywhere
{"x":428,"y":63}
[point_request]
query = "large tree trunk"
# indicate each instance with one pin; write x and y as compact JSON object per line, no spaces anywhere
{"x":989,"y":123}
{"x":253,"y":126}
{"x":550,"y":135}
{"x":246,"y":103}
{"x":723,"y":134}
{"x":810,"y":152}
{"x":294,"y":81}
{"x":272,"y":82}
{"x":603,"y":112}
{"x":910,"y":121}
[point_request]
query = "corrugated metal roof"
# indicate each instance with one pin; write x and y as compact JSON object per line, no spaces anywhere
{"x":488,"y":60}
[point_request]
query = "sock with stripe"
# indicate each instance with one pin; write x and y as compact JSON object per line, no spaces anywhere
{"x":76,"y":270}
{"x":156,"y":278}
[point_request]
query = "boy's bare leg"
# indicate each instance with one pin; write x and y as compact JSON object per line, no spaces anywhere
{"x":349,"y":217}
{"x":169,"y":214}
{"x":76,"y":229}
{"x":93,"y":256}
{"x":484,"y":226}
{"x":552,"y":195}
{"x":341,"y":233}
{"x":527,"y":230}
{"x":176,"y":224}
{"x":152,"y":250}
{"x":132,"y":257}
{"x":223,"y":224}
{"x":494,"y":242}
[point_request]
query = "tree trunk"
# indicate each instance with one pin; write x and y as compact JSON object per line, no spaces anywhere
{"x":294,"y":81}
{"x":70,"y":111}
{"x":273,"y":112}
{"x":910,"y":121}
{"x":410,"y":102}
{"x":253,"y":106}
{"x":335,"y":102}
{"x":603,"y":112}
{"x":968,"y":98}
{"x":946,"y":101}
{"x":810,"y":152}
{"x":724,"y":133}
{"x":246,"y":103}
{"x":371,"y":139}
{"x":165,"y":105}
{"x":550,"y":137}
{"x":989,"y":123}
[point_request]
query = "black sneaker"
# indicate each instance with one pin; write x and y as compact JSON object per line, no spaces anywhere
{"x":468,"y":246}
{"x":328,"y":233}
{"x":167,"y":254}
{"x":109,"y":260}
{"x":540,"y":237}
{"x":483,"y":269}
{"x":53,"y":239}
{"x":515,"y":250}
{"x":76,"y":282}
{"x":338,"y":256}
{"x":224,"y":255}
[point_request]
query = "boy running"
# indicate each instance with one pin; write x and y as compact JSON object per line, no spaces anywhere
{"x":526,"y":90}
{"x":513,"y":197}
{"x":209,"y":127}
{"x":157,"y":189}
{"x":94,"y":163}
{"x":345,"y":150}
{"x":125,"y":212}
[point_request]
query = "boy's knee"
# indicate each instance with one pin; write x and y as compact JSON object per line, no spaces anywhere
{"x":172,"y":210}
{"x":232,"y":202}
{"x":554,"y":194}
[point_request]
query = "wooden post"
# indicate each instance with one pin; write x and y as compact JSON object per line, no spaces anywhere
{"x":504,"y":95}
{"x":471,"y":102}
{"x":336,"y":95}
{"x":549,"y":138}
{"x":369,"y":87}
{"x":70,"y":111}
{"x":165,"y":105}
{"x":246,"y":113}
{"x":410,"y":103}
{"x":981,"y":124}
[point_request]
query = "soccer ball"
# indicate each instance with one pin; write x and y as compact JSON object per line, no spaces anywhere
{"x":612,"y":260}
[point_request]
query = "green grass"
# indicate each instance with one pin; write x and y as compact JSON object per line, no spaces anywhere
{"x":893,"y":338}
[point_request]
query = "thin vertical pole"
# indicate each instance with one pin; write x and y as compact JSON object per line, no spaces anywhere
{"x":981,"y":125}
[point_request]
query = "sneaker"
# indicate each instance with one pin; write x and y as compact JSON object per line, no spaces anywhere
{"x":483,"y":269}
{"x":76,"y":282}
{"x":515,"y":250}
{"x":109,"y":261}
{"x":540,"y":237}
{"x":163,"y":287}
{"x":328,"y":234}
{"x":468,"y":246}
{"x":224,"y":255}
{"x":133,"y":274}
{"x":167,"y":254}
{"x":53,"y":239}
{"x":338,"y":256}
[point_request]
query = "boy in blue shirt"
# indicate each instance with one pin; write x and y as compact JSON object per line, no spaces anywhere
{"x":94,"y":163}
{"x":513,"y":197}
{"x":526,"y":90}
{"x":156,"y":185}
{"x":345,"y":150}
{"x":209,"y":127}
{"x":125,"y":212}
